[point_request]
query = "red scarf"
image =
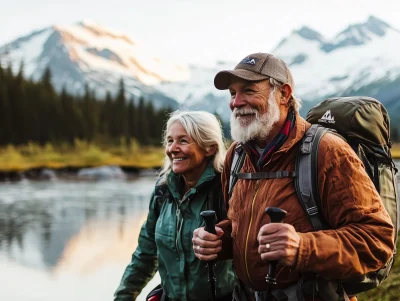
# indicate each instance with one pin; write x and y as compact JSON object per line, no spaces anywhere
{"x":274,"y":145}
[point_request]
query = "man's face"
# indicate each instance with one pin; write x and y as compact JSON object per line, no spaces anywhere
{"x":254,"y":109}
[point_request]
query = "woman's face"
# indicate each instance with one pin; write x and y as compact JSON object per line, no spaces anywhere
{"x":187,"y":158}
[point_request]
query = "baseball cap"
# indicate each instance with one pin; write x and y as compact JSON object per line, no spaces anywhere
{"x":255,"y":67}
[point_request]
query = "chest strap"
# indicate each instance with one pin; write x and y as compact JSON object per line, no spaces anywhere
{"x":267,"y":175}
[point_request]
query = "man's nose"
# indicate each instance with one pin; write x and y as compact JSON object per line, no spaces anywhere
{"x":238,"y":101}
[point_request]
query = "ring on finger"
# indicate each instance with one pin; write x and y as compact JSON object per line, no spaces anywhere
{"x":268,"y":246}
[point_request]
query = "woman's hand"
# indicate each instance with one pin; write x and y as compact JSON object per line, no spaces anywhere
{"x":206,"y":246}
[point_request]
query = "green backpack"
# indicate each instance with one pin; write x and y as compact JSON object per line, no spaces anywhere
{"x":364,"y":123}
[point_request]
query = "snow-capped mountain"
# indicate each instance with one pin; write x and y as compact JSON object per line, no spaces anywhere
{"x":362,"y":59}
{"x":199,"y":93}
{"x":357,"y":57}
{"x":87,"y":53}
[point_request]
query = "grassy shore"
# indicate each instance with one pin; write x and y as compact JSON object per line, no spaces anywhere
{"x":396,"y":151}
{"x":389,"y":289}
{"x":80,"y":155}
{"x":83,"y":154}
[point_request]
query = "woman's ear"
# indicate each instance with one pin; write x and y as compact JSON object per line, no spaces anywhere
{"x":211,"y":151}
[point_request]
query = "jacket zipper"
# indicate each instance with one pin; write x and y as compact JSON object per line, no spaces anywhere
{"x":179,"y":223}
{"x":248,"y":231}
{"x":177,"y":232}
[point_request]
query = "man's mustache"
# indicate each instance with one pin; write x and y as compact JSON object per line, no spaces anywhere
{"x":244,"y":111}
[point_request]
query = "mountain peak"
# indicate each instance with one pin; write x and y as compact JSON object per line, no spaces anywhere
{"x":309,"y":34}
{"x":358,"y":34}
{"x":100,"y":30}
{"x":88,"y":22}
{"x":376,"y":26}
{"x":88,"y":53}
{"x":361,"y":31}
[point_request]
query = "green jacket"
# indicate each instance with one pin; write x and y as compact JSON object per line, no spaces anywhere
{"x":165,"y":242}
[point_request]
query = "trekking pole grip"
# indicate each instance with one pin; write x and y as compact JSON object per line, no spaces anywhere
{"x":209,"y":218}
{"x":276,"y":215}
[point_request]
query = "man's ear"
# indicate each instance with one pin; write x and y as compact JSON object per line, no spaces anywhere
{"x":286,"y":92}
{"x":212,"y":150}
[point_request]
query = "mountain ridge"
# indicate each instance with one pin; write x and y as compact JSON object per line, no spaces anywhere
{"x":359,"y":59}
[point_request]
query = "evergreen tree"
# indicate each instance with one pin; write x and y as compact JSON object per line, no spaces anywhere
{"x":72,"y":119}
{"x":131,"y":121}
{"x":33,"y":111}
{"x":90,"y":114}
{"x":17,"y":97}
{"x":5,"y":122}
{"x":120,"y":112}
{"x":105,"y":115}
{"x":143,"y":122}
{"x":394,"y":135}
{"x":46,"y":80}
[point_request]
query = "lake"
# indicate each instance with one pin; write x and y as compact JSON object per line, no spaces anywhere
{"x":69,"y":240}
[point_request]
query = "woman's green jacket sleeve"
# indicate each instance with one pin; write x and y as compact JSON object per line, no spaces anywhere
{"x":144,"y":264}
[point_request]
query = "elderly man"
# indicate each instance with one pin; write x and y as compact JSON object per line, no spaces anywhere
{"x":265,"y":123}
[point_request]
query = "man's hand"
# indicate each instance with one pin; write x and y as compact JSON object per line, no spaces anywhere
{"x":282,"y":241}
{"x":206,"y":246}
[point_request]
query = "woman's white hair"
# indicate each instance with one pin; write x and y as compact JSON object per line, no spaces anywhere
{"x":204,"y":128}
{"x":294,"y":102}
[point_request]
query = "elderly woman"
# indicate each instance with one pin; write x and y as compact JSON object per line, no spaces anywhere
{"x":188,"y":184}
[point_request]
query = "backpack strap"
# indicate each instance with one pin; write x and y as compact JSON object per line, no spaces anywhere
{"x":215,"y":200}
{"x":237,"y":163}
{"x":267,"y":175}
{"x":161,"y":193}
{"x":307,"y":181}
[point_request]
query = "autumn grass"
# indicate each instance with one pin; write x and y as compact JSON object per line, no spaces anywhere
{"x":81,"y":154}
{"x":389,"y":289}
{"x":396,"y":150}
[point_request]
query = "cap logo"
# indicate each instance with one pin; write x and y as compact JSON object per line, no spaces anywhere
{"x":249,"y":61}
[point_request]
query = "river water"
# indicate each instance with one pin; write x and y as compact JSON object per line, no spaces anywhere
{"x":69,"y":241}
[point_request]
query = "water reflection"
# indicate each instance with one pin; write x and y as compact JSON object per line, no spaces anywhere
{"x":70,"y":240}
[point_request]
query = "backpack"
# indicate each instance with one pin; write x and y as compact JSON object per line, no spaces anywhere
{"x":215,"y":199}
{"x":364,"y":123}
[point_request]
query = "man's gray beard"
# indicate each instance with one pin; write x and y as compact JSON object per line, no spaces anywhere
{"x":260,"y":127}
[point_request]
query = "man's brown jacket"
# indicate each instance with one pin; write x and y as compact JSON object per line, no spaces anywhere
{"x":361,"y":239}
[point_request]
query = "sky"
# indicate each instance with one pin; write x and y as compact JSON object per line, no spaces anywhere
{"x":197,"y":31}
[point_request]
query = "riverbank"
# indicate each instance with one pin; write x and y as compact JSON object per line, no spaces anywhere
{"x":81,"y":155}
{"x":66,"y":162}
{"x":35,"y":162}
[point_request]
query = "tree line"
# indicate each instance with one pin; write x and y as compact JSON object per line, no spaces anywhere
{"x":32,"y":111}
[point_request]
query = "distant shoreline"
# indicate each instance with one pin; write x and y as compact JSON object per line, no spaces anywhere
{"x":32,"y":159}
{"x":41,"y":163}
{"x":71,"y":173}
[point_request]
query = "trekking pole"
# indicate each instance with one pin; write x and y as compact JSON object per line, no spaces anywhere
{"x":276,"y":215}
{"x":209,"y":218}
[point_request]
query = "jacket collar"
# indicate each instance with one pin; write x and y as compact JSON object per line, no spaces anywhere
{"x":297,"y":133}
{"x":174,"y":181}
